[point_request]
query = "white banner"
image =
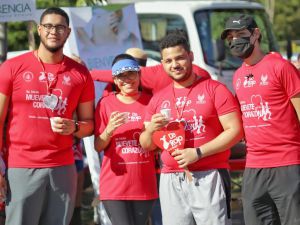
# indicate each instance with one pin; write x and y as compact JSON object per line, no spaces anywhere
{"x":17,"y":10}
{"x":100,"y":34}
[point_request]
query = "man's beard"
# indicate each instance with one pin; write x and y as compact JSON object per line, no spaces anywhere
{"x":54,"y":49}
{"x":183,"y":78}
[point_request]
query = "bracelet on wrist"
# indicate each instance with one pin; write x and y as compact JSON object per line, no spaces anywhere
{"x":199,"y":153}
{"x":108,"y":134}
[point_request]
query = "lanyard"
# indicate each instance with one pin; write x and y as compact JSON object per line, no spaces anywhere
{"x":180,"y":114}
{"x":50,"y":81}
{"x":50,"y":100}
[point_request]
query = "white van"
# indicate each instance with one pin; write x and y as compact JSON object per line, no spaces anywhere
{"x":203,"y":21}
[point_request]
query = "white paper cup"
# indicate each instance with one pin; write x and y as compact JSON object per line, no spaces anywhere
{"x":53,"y":121}
{"x":166,"y":113}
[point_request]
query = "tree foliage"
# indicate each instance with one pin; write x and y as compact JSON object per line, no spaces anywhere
{"x":286,"y":19}
{"x":17,"y":36}
{"x":42,"y":4}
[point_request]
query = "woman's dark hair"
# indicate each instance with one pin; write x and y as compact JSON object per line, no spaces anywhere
{"x":122,"y":56}
{"x":55,"y":10}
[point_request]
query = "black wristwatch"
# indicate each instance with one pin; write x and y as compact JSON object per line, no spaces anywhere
{"x":199,"y":153}
{"x":77,"y":126}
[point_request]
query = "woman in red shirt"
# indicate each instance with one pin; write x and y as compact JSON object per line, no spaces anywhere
{"x":127,"y":179}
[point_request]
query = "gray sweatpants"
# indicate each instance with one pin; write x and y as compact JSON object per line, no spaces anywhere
{"x":204,"y":201}
{"x":41,"y":196}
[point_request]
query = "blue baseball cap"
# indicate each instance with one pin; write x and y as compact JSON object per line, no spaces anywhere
{"x":124,"y":65}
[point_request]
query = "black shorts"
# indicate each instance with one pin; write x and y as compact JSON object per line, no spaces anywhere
{"x":272,"y":196}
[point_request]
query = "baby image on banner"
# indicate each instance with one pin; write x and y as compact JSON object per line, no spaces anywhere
{"x":102,"y":33}
{"x":99,"y":34}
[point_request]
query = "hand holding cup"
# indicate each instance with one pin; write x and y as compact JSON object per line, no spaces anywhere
{"x":63,"y":126}
{"x":55,"y":121}
{"x":116,"y":119}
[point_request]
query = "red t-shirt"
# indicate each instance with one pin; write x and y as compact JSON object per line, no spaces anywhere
{"x":202,"y":104}
{"x":153,"y":78}
{"x":271,"y":125}
{"x":29,"y":139}
{"x":127,"y":172}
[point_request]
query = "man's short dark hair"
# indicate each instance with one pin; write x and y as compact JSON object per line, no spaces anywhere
{"x":55,"y":10}
{"x":175,"y":38}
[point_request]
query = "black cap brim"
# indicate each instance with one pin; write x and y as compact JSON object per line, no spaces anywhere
{"x":225,"y":32}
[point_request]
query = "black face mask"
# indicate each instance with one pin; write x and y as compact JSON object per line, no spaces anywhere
{"x":241,"y":47}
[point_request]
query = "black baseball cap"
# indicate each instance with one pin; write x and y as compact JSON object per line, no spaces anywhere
{"x":238,"y":22}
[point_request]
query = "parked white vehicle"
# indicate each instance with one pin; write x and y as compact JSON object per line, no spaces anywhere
{"x":203,"y":21}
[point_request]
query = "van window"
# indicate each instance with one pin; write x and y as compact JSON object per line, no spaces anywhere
{"x":154,"y":27}
{"x":210,"y":24}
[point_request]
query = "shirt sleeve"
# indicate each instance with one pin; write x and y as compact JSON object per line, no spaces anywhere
{"x":101,"y":119}
{"x":102,"y":75}
{"x":6,"y":78}
{"x":88,"y":92}
{"x":225,"y":102}
{"x":290,"y":79}
{"x":150,"y":109}
{"x":150,"y":74}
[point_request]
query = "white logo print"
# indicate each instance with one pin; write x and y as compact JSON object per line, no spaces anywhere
{"x":236,"y":21}
{"x":249,"y":81}
{"x":165,"y":143}
{"x":43,"y":78}
{"x":132,"y":146}
{"x":265,"y":111}
{"x":182,"y":102}
{"x":66,"y":80}
{"x":134,"y":117}
{"x":264,"y":80}
{"x":28,"y":76}
{"x":61,"y":105}
{"x":196,"y":123}
{"x":201,"y":99}
{"x":165,"y":105}
{"x":174,"y":140}
{"x":257,"y":108}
